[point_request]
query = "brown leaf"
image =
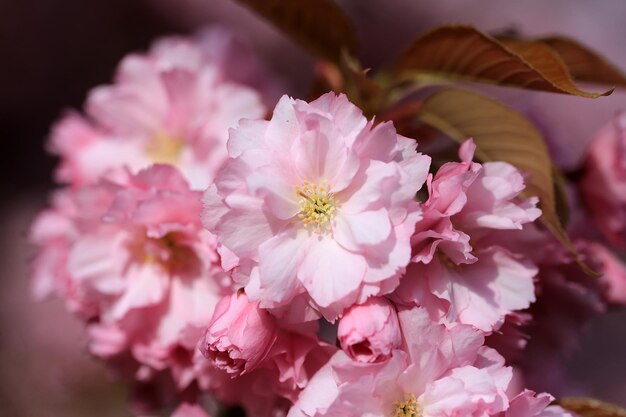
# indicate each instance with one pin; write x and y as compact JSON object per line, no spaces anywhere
{"x":589,"y":407}
{"x":500,"y":134}
{"x":560,"y":195}
{"x":583,"y":63}
{"x":318,"y":25}
{"x":465,"y":53}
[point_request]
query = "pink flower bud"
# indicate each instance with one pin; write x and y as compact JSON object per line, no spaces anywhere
{"x":239,"y":336}
{"x":370,"y":331}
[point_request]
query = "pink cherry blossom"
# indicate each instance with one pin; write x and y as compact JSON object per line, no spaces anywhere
{"x":173,"y":104}
{"x":369,"y":332}
{"x":269,"y":389}
{"x":316,"y":205}
{"x":442,"y":372}
{"x":129,"y":255}
{"x":603,"y":184}
{"x":459,"y":272}
{"x":239,"y":335}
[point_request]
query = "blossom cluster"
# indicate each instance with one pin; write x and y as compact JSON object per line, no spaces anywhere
{"x":312,"y":262}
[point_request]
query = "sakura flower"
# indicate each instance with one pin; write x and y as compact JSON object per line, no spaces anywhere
{"x":173,"y":104}
{"x":239,"y":335}
{"x":270,"y":388}
{"x":369,"y":332}
{"x":316,"y":205}
{"x":130,"y":256}
{"x":443,"y":372}
{"x":603,"y":184}
{"x":458,"y":271}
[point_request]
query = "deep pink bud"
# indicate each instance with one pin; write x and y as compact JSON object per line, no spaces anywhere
{"x":370,"y":331}
{"x":239,"y":336}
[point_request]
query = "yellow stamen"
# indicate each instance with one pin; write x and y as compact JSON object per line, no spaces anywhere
{"x":317,"y":206}
{"x":165,"y":148}
{"x":407,"y":408}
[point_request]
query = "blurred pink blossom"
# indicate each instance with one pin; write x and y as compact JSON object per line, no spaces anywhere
{"x":173,"y":104}
{"x":130,"y":256}
{"x":603,"y":184}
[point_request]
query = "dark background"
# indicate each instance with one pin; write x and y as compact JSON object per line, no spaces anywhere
{"x":53,"y":51}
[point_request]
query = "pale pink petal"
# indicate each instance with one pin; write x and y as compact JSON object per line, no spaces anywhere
{"x":369,"y":227}
{"x":370,"y":187}
{"x":279,"y":258}
{"x":347,"y":117}
{"x":277,"y":190}
{"x":331,"y":275}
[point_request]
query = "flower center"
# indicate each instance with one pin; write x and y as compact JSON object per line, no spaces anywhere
{"x":166,"y":252}
{"x":407,"y":408}
{"x":317,"y":205}
{"x":164,"y":148}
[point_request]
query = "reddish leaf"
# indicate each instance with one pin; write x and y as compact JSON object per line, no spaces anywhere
{"x":584,"y":64}
{"x":464,"y":53}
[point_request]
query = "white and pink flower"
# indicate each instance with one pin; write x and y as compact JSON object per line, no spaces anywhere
{"x":442,"y":372}
{"x":316,"y":205}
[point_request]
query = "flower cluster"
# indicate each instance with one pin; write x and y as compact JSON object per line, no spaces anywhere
{"x":310,"y":264}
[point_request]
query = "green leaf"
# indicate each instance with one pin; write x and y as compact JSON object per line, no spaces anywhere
{"x":463,"y":53}
{"x":589,"y":407}
{"x":318,"y":25}
{"x":500,"y":134}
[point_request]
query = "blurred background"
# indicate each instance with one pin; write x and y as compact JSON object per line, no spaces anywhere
{"x":53,"y":52}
